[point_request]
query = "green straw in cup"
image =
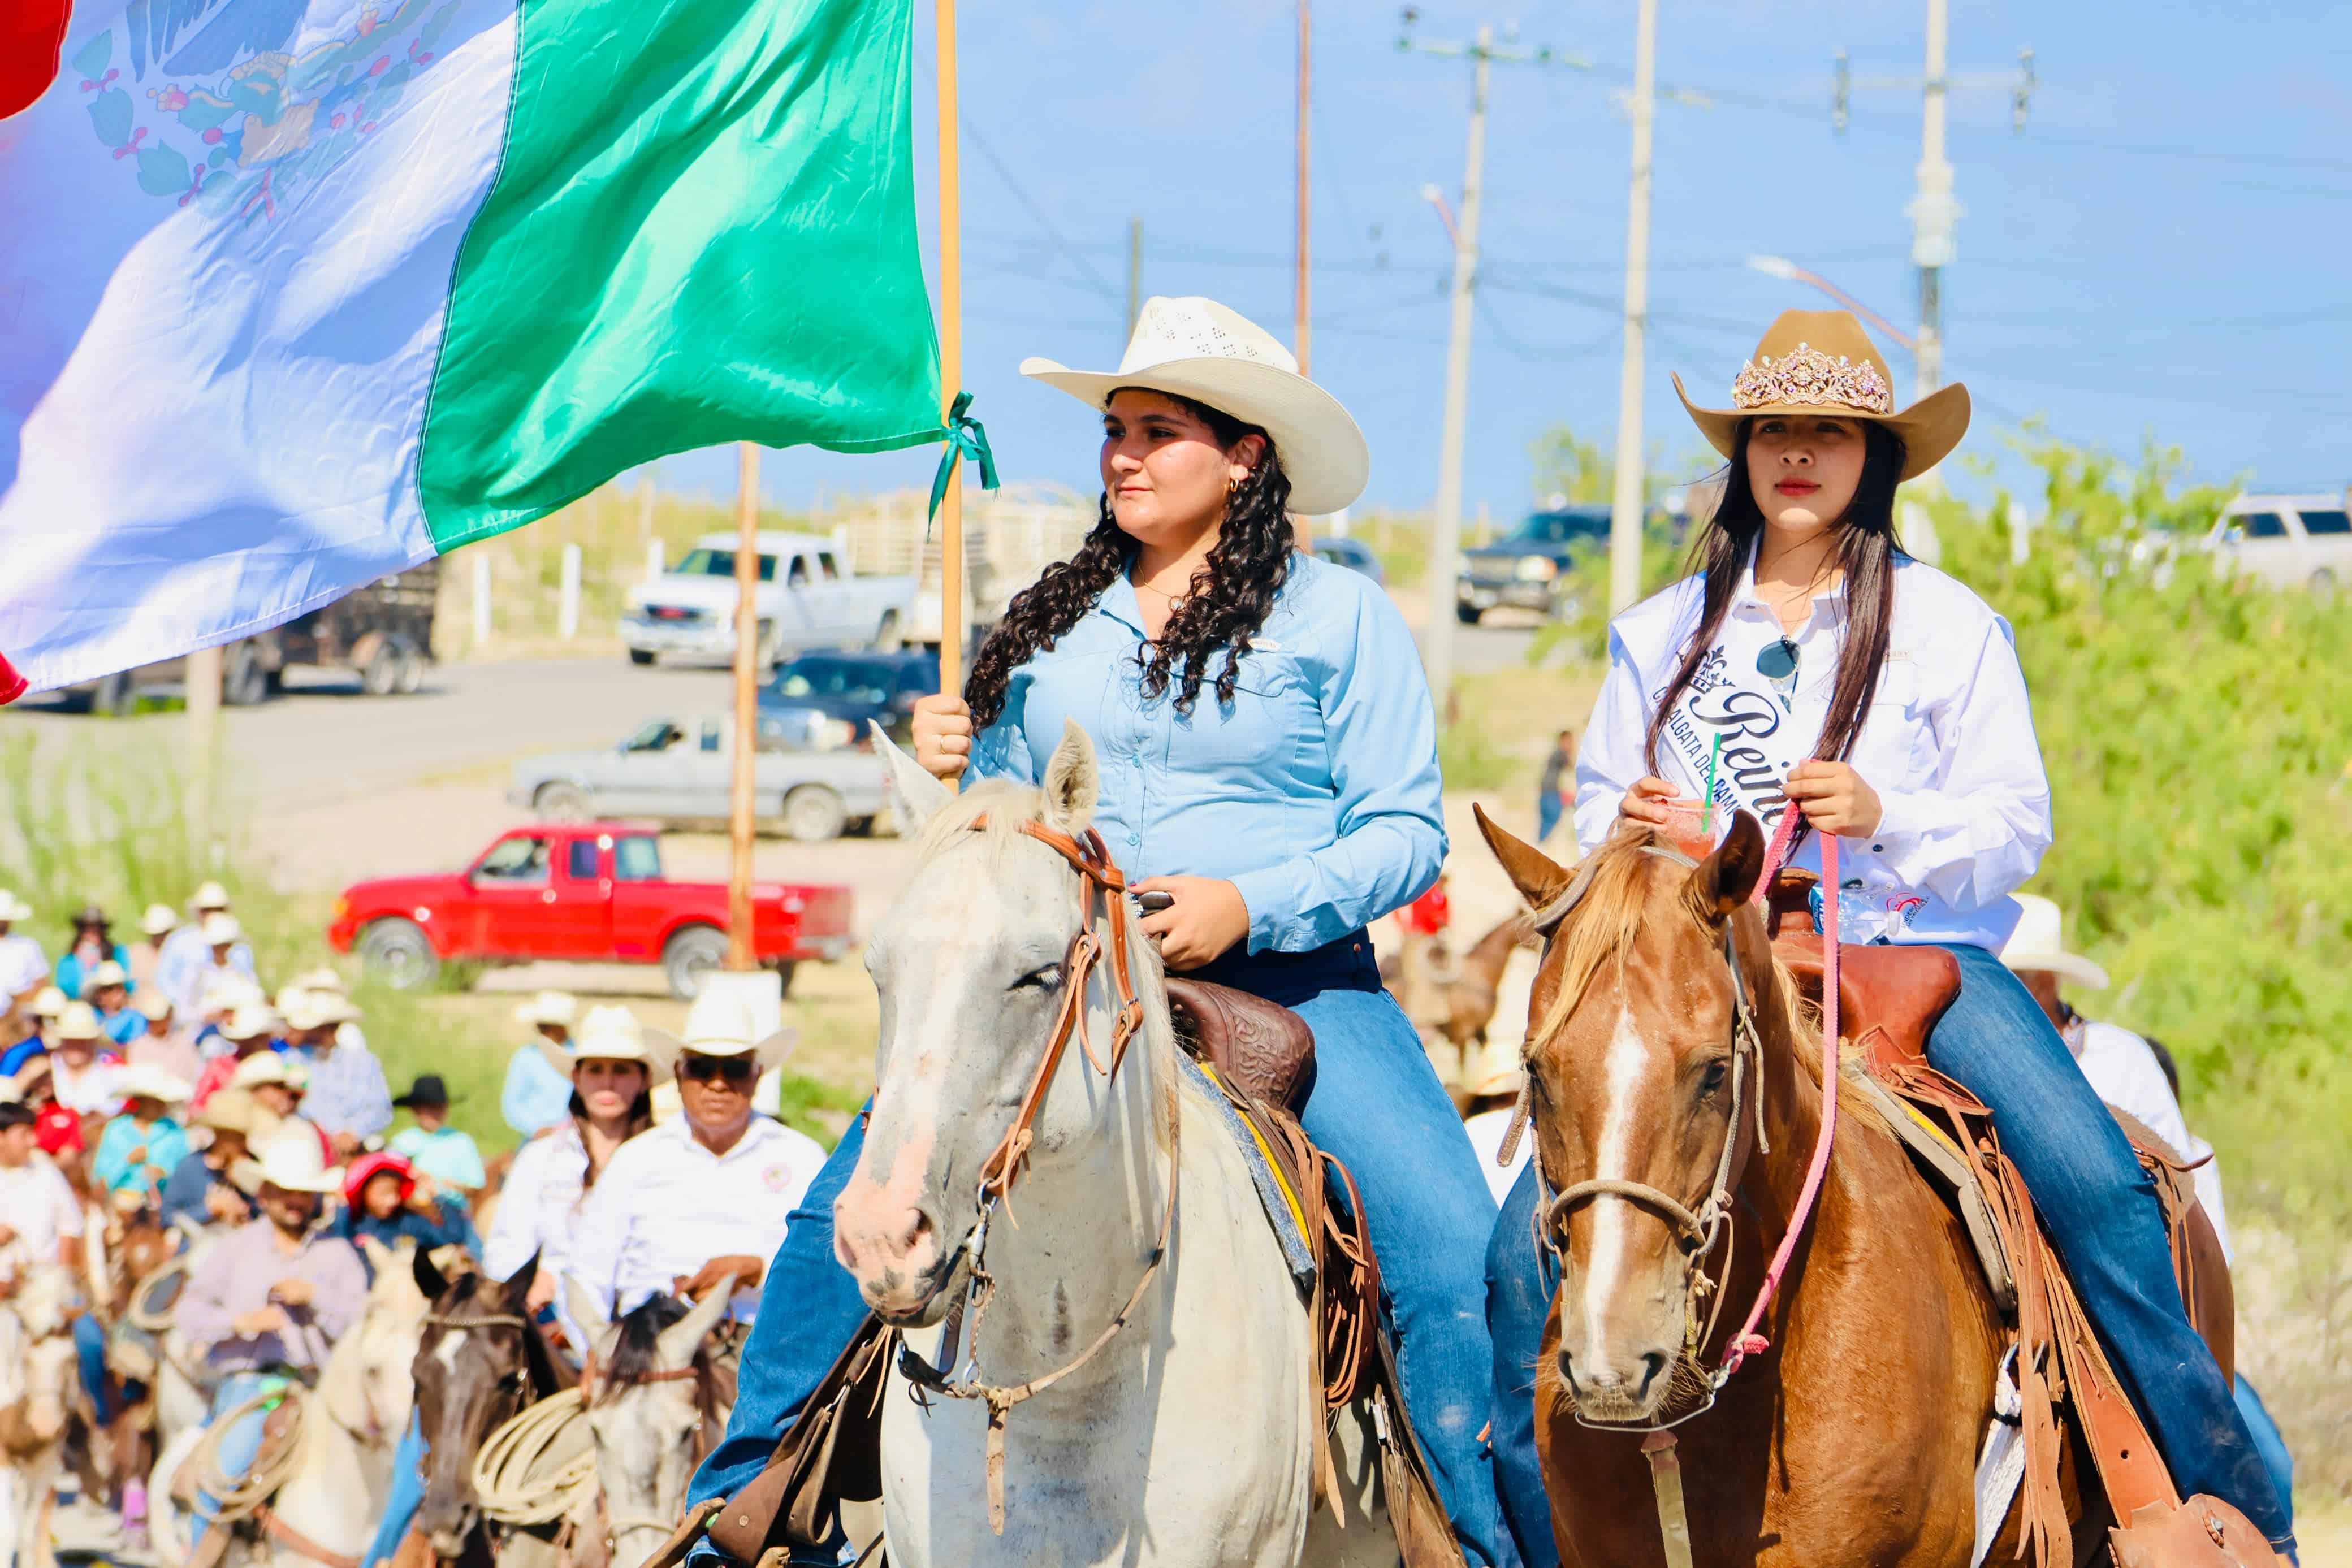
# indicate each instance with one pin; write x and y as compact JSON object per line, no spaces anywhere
{"x":1706,"y":806}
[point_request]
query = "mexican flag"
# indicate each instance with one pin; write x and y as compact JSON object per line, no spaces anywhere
{"x":295,"y":294}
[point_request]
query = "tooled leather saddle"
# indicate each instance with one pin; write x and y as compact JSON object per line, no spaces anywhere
{"x":1889,"y":999}
{"x":1262,"y":1046}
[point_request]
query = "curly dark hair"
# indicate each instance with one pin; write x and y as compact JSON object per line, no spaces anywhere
{"x":1228,"y":600}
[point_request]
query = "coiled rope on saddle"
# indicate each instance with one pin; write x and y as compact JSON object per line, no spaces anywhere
{"x":235,"y":1498}
{"x":540,"y":1463}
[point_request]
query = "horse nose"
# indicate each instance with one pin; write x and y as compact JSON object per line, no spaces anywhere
{"x":879,"y":1233}
{"x":1612,"y":1380}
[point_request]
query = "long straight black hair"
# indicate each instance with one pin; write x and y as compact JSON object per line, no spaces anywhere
{"x":1867,"y":551}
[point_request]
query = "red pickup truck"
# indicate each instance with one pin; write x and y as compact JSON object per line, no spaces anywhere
{"x":592,"y":892}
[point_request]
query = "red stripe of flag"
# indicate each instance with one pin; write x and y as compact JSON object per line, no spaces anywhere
{"x":32,"y":34}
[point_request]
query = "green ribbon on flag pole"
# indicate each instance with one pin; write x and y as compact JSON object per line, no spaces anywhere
{"x":965,"y":439}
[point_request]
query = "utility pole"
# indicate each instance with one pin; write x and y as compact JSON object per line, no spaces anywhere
{"x":1134,"y":272}
{"x":1934,"y":211}
{"x":739,"y":824}
{"x":1446,"y":533}
{"x":1299,"y":306}
{"x":1626,"y":500}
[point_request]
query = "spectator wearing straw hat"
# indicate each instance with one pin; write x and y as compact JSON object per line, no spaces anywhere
{"x":155,"y":928}
{"x":199,"y":1192}
{"x":434,"y":1148}
{"x":537,"y":1095}
{"x":159,"y":1042}
{"x":185,"y":952}
{"x":245,"y":1031}
{"x":347,"y":1097}
{"x":40,"y":1018}
{"x":24,"y":966}
{"x":93,"y":944}
{"x":107,"y":989}
{"x":225,"y":957}
{"x":141,"y":1148}
{"x":83,"y":1073}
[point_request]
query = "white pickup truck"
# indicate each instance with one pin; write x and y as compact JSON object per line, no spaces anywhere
{"x":806,"y":601}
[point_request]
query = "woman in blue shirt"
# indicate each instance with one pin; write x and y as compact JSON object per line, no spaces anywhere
{"x":1268,"y":755}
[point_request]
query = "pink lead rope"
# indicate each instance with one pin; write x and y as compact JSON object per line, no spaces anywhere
{"x":1748,"y":1342}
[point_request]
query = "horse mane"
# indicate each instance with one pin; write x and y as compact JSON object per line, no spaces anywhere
{"x":1608,"y":917}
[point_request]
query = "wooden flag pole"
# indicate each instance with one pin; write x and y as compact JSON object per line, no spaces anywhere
{"x":740,"y":951}
{"x":950,"y":358}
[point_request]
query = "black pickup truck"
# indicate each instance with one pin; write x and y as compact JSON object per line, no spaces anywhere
{"x":383,"y":631}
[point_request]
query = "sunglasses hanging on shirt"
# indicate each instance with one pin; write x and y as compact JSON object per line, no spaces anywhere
{"x":1778,"y":664}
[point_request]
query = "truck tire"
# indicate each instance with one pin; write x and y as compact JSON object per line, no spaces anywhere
{"x":382,"y":671}
{"x":692,"y":952}
{"x":244,"y":681}
{"x":1467,"y":614}
{"x":783,"y":968}
{"x":886,"y":637}
{"x":641,"y":656}
{"x":813,"y":814}
{"x":561,"y":802}
{"x":398,"y":953}
{"x":410,"y":678}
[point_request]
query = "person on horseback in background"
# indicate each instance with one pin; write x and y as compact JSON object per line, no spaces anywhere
{"x":1268,"y":758}
{"x":1810,"y":664}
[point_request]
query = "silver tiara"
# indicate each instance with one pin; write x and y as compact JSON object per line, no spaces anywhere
{"x":1810,"y":378}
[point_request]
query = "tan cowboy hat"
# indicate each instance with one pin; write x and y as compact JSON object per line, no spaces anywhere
{"x":14,"y":908}
{"x":80,"y":1021}
{"x":226,"y":993}
{"x":269,"y":1067}
{"x":1198,"y":348}
{"x":289,"y":1158}
{"x":151,"y":1004}
{"x":251,"y":1020}
{"x":608,"y":1034}
{"x":210,"y":896}
{"x":108,"y":973}
{"x":549,"y":1007}
{"x":49,"y":1002}
{"x":313,"y":1009}
{"x":2036,"y":946}
{"x":718,"y":1024}
{"x":1821,"y":363}
{"x":145,"y":1080}
{"x":220,"y":930}
{"x":229,"y":1111}
{"x":1503,"y":1074}
{"x":158,"y":920}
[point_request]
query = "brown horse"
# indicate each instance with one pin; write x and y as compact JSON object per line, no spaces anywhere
{"x":1854,"y":1437}
{"x":480,"y":1361}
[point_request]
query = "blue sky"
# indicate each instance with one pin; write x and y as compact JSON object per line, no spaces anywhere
{"x":2162,"y":251}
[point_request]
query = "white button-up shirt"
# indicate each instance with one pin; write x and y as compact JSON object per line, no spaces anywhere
{"x":1949,"y":744}
{"x":666,"y":1205}
{"x":23,"y":965}
{"x":538,"y":1207}
{"x":39,"y":1207}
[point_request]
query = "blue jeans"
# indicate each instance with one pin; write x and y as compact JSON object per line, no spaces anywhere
{"x":1376,"y":1105}
{"x":240,"y":1444}
{"x":2096,"y":1203}
{"x":407,"y":1495}
{"x":90,"y":1358}
{"x":1547,"y":814}
{"x":2268,"y":1443}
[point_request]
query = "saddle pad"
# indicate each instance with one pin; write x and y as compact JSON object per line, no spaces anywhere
{"x":1281,"y":1205}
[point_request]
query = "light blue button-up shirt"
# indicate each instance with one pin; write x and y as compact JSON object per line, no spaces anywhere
{"x":1315,"y":792}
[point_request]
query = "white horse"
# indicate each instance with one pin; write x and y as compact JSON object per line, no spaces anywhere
{"x":335,"y":1491}
{"x":1189,"y":1434}
{"x":38,"y":1375}
{"x":646,"y":1409}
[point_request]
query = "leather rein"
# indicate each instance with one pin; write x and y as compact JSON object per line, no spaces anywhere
{"x":1104,"y":886}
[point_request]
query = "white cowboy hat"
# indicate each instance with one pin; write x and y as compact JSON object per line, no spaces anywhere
{"x":80,"y":1021}
{"x":325,"y":978}
{"x":220,"y":930}
{"x":1503,"y":1074}
{"x":158,"y":919}
{"x":289,"y":1158}
{"x":269,"y":1067}
{"x":1198,"y":348}
{"x":108,"y":973}
{"x":550,"y":1007}
{"x":607,"y":1034}
{"x":306,"y":1009}
{"x":2036,"y":945}
{"x":718,"y":1024}
{"x":13,"y":908}
{"x":144,"y":1080}
{"x":211,"y":895}
{"x":254,"y":1019}
{"x":226,"y":993}
{"x":150,"y":1003}
{"x":49,"y":1002}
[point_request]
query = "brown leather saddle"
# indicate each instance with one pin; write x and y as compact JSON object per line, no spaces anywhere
{"x":1262,"y":1046}
{"x":1889,"y":999}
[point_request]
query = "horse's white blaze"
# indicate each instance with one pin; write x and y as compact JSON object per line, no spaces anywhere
{"x":1621,"y":1071}
{"x":445,"y":1350}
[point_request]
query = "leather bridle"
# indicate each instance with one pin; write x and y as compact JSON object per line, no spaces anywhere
{"x":1104,"y":886}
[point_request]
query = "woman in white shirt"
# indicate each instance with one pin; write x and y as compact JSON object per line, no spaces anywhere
{"x":1810,"y":663}
{"x":612,"y":1076}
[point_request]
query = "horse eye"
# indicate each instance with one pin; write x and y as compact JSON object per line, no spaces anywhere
{"x":1042,"y":979}
{"x":1713,"y":1080}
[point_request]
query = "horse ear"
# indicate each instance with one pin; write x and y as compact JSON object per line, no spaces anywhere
{"x":518,"y":1285}
{"x":586,"y":1310}
{"x":1727,"y":878}
{"x":677,"y":1342}
{"x":429,"y":1279}
{"x":1539,"y":877}
{"x":915,"y":795}
{"x":1072,"y":782}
